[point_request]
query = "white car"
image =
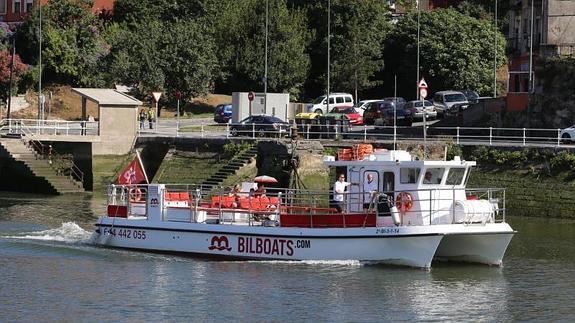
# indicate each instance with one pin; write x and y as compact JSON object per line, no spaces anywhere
{"x":320,"y":105}
{"x":568,"y":134}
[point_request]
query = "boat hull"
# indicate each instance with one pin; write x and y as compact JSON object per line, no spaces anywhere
{"x":397,"y":246}
{"x":485,"y":246}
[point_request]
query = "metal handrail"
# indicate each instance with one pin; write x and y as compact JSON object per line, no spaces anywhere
{"x":316,"y":203}
{"x":56,"y":160}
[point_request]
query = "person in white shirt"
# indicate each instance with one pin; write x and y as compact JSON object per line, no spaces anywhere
{"x":338,"y":192}
{"x":369,"y":190}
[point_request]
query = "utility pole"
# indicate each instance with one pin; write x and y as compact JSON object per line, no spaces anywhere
{"x":530,"y":89}
{"x":266,"y":65}
{"x":495,"y":53}
{"x":40,"y":62}
{"x":328,"y":39}
{"x":11,"y":75}
{"x":417,"y":79}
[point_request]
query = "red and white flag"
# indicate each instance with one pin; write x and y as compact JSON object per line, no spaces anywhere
{"x":134,"y":173}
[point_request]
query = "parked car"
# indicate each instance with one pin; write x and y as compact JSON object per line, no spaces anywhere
{"x":320,"y":105}
{"x":396,"y":100}
{"x":223,"y":113}
{"x":404,"y":117}
{"x":568,"y":135}
{"x":416,"y":107}
{"x":347,"y":112}
{"x":449,"y":102}
{"x":376,"y":109}
{"x":262,"y":125}
{"x":472,"y":96}
{"x":364,"y":104}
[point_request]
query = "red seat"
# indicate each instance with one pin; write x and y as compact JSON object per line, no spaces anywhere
{"x":274,"y":200}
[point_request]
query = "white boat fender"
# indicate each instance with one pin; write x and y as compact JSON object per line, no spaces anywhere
{"x":395,"y":215}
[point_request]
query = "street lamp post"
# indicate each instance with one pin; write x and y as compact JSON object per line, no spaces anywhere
{"x":266,"y":65}
{"x":417,"y":79}
{"x":328,"y":45}
{"x":40,"y":61}
{"x":495,"y":53}
{"x":11,"y":73}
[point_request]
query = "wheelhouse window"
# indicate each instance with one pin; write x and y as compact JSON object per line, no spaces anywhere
{"x":408,"y":175}
{"x":455,"y":176}
{"x":433,"y":176}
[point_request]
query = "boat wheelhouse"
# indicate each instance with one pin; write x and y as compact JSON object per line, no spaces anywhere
{"x":419,"y":211}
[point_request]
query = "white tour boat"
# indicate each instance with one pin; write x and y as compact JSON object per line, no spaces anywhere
{"x":420,"y":212}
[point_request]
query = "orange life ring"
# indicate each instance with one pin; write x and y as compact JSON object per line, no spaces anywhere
{"x":135,"y":194}
{"x":404,"y":202}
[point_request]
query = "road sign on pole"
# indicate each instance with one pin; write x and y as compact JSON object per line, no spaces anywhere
{"x":422,"y":85}
{"x":251,"y":96}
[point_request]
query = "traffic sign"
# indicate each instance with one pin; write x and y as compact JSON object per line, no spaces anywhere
{"x":422,"y":83}
{"x":251,"y":96}
{"x":423,"y":92}
{"x":178,"y":95}
{"x":157,"y":96}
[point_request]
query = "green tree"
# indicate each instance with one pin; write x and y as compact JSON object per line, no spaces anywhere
{"x":456,"y":52}
{"x":72,"y":47}
{"x":358,"y":31}
{"x":159,"y":56}
{"x":239,"y":30}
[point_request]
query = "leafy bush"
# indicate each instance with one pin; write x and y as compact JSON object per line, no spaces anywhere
{"x":562,"y":161}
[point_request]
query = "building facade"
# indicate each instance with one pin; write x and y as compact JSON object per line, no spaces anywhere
{"x":14,"y":11}
{"x":537,"y":29}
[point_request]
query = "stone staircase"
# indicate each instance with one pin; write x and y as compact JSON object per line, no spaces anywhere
{"x":231,"y":167}
{"x":20,"y":153}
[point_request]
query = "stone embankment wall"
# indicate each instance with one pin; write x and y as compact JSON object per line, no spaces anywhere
{"x":528,"y":194}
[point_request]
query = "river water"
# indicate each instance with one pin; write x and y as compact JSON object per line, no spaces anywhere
{"x":49,"y":271}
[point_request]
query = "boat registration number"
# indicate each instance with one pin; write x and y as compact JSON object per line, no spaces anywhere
{"x":126,"y":233}
{"x":386,"y":230}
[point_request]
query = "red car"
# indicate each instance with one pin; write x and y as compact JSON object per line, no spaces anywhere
{"x":354,"y":117}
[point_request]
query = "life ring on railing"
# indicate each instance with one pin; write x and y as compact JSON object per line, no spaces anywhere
{"x":404,"y":202}
{"x":135,"y":194}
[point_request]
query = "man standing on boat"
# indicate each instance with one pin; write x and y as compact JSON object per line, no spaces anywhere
{"x":369,"y":190}
{"x":339,"y":191}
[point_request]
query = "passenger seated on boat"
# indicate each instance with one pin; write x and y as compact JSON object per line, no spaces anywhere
{"x":235,"y":194}
{"x":261,"y":191}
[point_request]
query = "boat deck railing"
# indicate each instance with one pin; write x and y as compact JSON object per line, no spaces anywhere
{"x":431,"y":206}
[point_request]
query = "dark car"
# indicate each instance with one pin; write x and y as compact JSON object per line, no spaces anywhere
{"x":223,"y":113}
{"x":376,"y":109}
{"x":404,"y":117}
{"x":471,"y":96}
{"x":261,"y":126}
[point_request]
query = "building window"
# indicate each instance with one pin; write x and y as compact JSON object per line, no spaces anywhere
{"x":16,"y":5}
{"x":28,"y":6}
{"x":2,"y":6}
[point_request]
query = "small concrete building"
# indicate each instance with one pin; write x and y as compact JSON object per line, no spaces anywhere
{"x":117,"y":114}
{"x":277,"y":105}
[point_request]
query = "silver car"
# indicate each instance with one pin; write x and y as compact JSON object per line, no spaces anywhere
{"x":416,"y":108}
{"x":449,"y":102}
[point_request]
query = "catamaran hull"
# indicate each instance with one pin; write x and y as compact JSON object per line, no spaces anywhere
{"x":476,"y":243}
{"x":362,"y":244}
